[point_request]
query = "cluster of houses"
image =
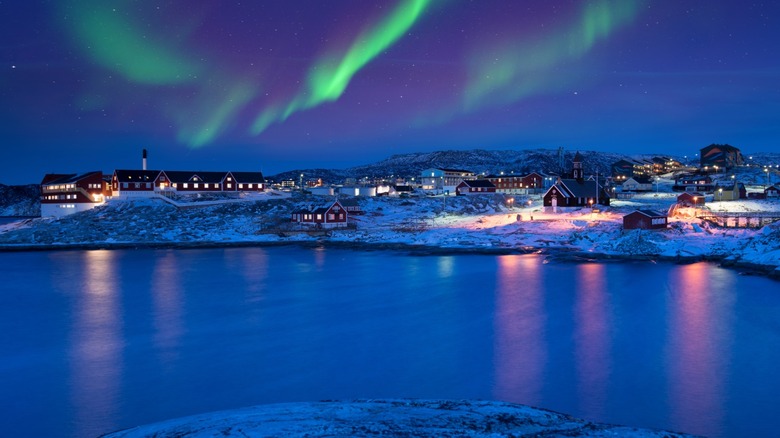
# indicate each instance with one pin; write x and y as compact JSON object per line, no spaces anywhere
{"x":63,"y":194}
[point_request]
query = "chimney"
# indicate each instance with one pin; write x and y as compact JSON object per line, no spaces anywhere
{"x":144,"y":161}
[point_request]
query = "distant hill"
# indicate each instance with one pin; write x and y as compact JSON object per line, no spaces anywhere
{"x":20,"y":200}
{"x":477,"y":160}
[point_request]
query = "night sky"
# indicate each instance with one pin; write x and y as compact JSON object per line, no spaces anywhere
{"x":278,"y":85}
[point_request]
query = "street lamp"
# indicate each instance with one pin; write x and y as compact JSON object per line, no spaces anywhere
{"x":720,"y":194}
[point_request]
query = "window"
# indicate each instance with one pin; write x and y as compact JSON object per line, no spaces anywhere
{"x":185,"y":186}
{"x":216,"y":186}
{"x":331,"y":217}
{"x":240,"y":186}
{"x":230,"y":186}
{"x":250,"y":185}
{"x":319,"y":217}
{"x":124,"y":185}
{"x":195,"y":185}
{"x":205,"y":186}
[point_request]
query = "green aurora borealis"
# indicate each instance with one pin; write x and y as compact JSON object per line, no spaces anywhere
{"x":343,"y":80}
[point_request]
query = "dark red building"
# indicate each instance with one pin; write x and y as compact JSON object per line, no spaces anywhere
{"x":63,"y":194}
{"x":645,"y":220}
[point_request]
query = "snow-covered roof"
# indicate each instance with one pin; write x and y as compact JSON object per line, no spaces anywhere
{"x":648,"y":213}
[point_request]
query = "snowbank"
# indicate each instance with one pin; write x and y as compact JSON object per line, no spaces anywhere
{"x":418,"y":418}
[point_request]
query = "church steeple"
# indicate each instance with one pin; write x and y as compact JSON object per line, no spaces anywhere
{"x":576,"y":171}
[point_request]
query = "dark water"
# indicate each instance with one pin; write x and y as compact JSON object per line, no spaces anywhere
{"x":95,"y":341}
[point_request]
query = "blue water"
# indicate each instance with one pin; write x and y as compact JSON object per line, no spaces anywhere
{"x":95,"y":341}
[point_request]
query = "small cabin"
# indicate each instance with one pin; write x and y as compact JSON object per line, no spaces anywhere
{"x":645,"y":220}
{"x":772,"y":192}
{"x":331,"y":216}
{"x":691,"y":199}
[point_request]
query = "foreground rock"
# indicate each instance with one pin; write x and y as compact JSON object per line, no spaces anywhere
{"x":408,"y":418}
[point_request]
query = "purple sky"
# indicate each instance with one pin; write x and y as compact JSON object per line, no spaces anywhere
{"x":277,"y":85}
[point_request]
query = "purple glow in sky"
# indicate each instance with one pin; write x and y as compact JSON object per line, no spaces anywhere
{"x":86,"y":84}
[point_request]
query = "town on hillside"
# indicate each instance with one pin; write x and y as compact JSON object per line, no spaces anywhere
{"x":657,"y":187}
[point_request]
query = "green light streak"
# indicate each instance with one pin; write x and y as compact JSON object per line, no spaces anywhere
{"x":518,"y":70}
{"x":113,"y":41}
{"x":199,"y":134}
{"x":331,"y":74}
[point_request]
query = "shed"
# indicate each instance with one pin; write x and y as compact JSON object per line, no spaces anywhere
{"x":645,"y":220}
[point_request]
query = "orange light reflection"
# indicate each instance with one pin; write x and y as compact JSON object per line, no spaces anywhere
{"x":520,"y":353}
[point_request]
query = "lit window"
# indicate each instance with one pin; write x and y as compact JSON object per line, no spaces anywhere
{"x":195,"y":185}
{"x":250,"y":185}
{"x":240,"y":186}
{"x":185,"y":185}
{"x":230,"y":186}
{"x":205,"y":186}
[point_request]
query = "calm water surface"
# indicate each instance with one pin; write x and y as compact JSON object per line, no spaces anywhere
{"x":95,"y":341}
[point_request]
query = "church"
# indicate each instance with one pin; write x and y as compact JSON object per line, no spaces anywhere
{"x":576,"y":191}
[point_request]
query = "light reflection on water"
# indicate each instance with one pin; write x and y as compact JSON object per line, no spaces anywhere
{"x":149,"y":335}
{"x":698,"y":357}
{"x":96,"y":338}
{"x":592,"y":339}
{"x":520,"y":350}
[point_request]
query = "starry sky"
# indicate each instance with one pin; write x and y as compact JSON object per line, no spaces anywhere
{"x":275,"y":85}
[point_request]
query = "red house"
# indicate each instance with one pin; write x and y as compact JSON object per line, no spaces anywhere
{"x":330,"y":216}
{"x":772,"y":192}
{"x":645,"y":220}
{"x":189,"y":181}
{"x":516,"y":183}
{"x":63,"y":194}
{"x":248,"y":181}
{"x":134,"y":182}
{"x":475,"y":187}
{"x":691,"y":199}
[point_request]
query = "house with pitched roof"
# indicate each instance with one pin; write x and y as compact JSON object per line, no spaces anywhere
{"x":332,"y":215}
{"x":645,"y":220}
{"x":576,"y":191}
{"x":475,"y":187}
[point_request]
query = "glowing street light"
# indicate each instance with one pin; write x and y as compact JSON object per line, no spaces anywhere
{"x":720,"y":194}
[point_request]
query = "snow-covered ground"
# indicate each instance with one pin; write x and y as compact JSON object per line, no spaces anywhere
{"x":410,"y":418}
{"x":480,"y":223}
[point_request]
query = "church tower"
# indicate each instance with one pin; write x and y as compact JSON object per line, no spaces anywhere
{"x":577,"y":172}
